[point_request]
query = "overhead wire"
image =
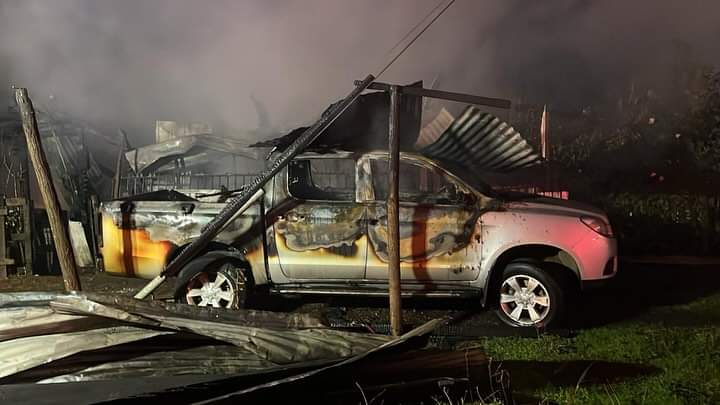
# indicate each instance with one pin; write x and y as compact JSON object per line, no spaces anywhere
{"x":415,"y":38}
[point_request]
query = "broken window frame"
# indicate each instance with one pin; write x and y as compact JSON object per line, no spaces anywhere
{"x":461,"y":186}
{"x":317,"y":156}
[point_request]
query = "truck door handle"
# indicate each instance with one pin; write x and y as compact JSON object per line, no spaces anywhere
{"x":375,"y":221}
{"x":291,"y":217}
{"x":187,"y":209}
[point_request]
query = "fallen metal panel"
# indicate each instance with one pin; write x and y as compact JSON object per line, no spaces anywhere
{"x":32,"y":321}
{"x":164,"y":310}
{"x":280,"y":346}
{"x":220,"y":360}
{"x":479,"y":141}
{"x":419,"y":331}
{"x":15,"y":299}
{"x":24,"y":353}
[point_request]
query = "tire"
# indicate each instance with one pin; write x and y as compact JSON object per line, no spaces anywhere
{"x":220,"y":284}
{"x":529,"y":297}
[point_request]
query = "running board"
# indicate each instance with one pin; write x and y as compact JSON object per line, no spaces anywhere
{"x":375,"y":293}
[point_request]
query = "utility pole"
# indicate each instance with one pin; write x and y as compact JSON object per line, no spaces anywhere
{"x":393,"y":213}
{"x":47,"y":190}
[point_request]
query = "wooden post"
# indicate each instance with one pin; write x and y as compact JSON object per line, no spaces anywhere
{"x":47,"y":190}
{"x":393,"y":214}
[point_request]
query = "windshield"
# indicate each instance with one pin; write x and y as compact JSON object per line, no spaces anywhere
{"x":474,"y":180}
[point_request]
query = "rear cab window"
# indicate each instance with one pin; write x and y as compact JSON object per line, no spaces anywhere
{"x":322,"y":179}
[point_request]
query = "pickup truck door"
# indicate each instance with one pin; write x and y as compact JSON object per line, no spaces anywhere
{"x":322,"y":235}
{"x":437,"y":225}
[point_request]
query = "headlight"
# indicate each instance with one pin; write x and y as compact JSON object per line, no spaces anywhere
{"x":598,"y":225}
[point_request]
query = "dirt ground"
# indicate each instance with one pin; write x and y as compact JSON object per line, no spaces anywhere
{"x":641,"y":291}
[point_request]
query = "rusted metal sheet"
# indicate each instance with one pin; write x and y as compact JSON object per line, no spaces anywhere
{"x":479,"y":141}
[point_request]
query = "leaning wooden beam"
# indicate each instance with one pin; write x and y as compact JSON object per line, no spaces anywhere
{"x":47,"y":191}
{"x":253,"y":190}
{"x":447,"y":95}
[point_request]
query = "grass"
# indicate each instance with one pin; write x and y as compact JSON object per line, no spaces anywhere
{"x":688,"y":357}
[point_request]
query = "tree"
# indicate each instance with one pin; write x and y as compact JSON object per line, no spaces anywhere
{"x":704,"y":123}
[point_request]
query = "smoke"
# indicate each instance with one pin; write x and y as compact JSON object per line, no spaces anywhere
{"x":128,"y":63}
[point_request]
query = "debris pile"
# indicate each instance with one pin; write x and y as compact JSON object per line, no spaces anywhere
{"x":108,"y":344}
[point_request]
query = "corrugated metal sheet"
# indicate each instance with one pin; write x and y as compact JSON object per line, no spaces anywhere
{"x":432,"y":131}
{"x":75,"y":338}
{"x":479,"y":141}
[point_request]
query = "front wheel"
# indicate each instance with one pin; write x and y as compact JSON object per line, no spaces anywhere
{"x":529,"y":297}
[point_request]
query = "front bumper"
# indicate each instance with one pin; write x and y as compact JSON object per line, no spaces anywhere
{"x":597,"y":258}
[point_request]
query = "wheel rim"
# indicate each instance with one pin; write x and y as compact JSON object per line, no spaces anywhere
{"x":211,"y":290}
{"x":524,"y":300}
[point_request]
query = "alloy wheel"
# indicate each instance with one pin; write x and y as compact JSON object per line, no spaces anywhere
{"x":524,"y":300}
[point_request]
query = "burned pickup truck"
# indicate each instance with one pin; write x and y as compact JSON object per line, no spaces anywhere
{"x":321,"y":228}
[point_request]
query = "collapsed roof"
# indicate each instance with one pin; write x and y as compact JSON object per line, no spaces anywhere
{"x":475,"y":141}
{"x":479,"y":141}
{"x":148,"y":158}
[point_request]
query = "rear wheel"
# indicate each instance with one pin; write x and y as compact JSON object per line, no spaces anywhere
{"x":529,"y":296}
{"x":220,"y":285}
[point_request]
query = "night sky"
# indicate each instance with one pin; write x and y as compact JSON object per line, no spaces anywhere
{"x":127,"y":63}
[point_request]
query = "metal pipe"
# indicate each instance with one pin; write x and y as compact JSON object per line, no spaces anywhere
{"x":393,"y":213}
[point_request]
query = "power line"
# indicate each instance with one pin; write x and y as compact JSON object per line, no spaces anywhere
{"x":413,"y":29}
{"x":415,"y":38}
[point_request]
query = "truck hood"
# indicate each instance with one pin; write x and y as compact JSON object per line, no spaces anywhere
{"x":554,"y":206}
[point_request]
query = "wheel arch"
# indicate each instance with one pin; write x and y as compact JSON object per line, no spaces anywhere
{"x":210,"y":258}
{"x":564,"y":262}
{"x":213,"y":246}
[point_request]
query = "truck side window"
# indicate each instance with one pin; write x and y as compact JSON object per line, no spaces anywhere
{"x":322,"y":179}
{"x":418,"y":184}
